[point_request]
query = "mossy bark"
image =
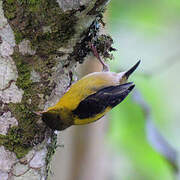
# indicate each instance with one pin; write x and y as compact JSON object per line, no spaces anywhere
{"x":50,"y":38}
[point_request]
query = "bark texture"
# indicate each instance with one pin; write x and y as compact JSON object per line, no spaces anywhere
{"x":41,"y":41}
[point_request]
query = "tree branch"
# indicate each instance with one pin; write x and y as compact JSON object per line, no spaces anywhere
{"x":40,"y":44}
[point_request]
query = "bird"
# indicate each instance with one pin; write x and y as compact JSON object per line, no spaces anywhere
{"x":90,"y":98}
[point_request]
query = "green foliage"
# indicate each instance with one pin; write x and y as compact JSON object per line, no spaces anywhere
{"x":144,"y":19}
{"x":143,"y":14}
{"x":128,"y":132}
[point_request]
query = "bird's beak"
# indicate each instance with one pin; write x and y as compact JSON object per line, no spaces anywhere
{"x":39,"y":113}
{"x":130,"y":71}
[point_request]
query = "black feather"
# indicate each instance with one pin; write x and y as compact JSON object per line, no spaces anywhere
{"x":98,"y":102}
{"x":54,"y":121}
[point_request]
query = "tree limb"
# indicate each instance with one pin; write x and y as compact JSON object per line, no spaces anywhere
{"x":40,"y":44}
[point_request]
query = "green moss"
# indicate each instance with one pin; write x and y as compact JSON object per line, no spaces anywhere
{"x":20,"y":139}
{"x":28,"y":18}
{"x":102,"y":43}
{"x":18,"y":37}
{"x":24,"y":72}
{"x":51,"y":150}
{"x":13,"y":142}
{"x":10,"y":14}
{"x":10,"y":1}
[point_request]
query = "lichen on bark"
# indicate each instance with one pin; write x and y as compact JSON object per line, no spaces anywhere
{"x":28,"y":20}
{"x":50,"y":40}
{"x":24,"y":136}
{"x":31,"y":19}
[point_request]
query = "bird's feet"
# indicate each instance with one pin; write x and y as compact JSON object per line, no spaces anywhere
{"x":96,"y":54}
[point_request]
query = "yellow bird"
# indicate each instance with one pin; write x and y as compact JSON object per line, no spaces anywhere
{"x":89,"y":99}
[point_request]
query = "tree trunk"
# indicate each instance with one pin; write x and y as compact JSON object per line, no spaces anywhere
{"x":41,"y":41}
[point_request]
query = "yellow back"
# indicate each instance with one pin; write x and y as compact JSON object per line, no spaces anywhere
{"x":86,"y":86}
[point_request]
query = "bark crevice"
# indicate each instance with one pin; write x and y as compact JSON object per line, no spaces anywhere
{"x":41,"y":41}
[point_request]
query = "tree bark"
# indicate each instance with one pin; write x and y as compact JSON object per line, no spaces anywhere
{"x":41,"y":41}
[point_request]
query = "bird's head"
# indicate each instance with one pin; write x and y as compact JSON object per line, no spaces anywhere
{"x":52,"y":119}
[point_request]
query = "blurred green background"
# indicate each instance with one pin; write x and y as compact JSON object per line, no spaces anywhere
{"x":146,"y":30}
{"x":139,"y":139}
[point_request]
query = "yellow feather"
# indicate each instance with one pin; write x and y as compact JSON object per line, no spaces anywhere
{"x":78,"y":121}
{"x":68,"y":110}
{"x":85,"y":87}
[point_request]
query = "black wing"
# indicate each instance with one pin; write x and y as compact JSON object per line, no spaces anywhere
{"x":98,"y":102}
